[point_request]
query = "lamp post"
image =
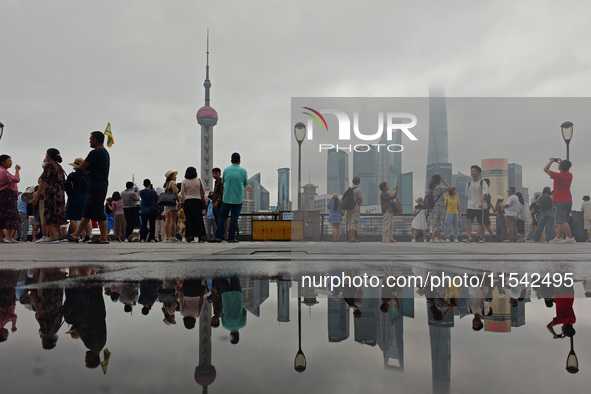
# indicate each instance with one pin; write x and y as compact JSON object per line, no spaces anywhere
{"x":572,"y":362}
{"x":299,"y":363}
{"x":300,"y":133}
{"x":1,"y":129}
{"x":567,"y":134}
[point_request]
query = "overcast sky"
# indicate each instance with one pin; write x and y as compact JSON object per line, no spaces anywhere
{"x":69,"y":67}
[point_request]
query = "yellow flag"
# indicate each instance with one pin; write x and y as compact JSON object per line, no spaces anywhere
{"x":105,"y":363}
{"x":109,"y":134}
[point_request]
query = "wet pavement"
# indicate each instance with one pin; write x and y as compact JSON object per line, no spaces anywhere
{"x":143,"y":318}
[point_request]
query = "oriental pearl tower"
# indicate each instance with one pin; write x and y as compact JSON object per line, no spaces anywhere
{"x":207,"y":117}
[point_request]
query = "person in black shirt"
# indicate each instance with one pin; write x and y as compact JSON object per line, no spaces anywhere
{"x":96,"y":167}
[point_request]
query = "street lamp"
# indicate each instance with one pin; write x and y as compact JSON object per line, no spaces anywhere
{"x":567,"y":134}
{"x":572,"y":362}
{"x":1,"y":129}
{"x":300,"y":133}
{"x":299,"y":363}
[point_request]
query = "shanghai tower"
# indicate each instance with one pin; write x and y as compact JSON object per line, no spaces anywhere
{"x":437,"y":158}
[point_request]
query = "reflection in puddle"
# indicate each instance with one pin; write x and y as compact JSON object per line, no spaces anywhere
{"x":243,"y":334}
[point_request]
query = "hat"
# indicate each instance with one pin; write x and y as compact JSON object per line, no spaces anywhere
{"x":77,"y":162}
{"x":546,"y":190}
{"x":170,"y":173}
{"x":500,"y":198}
{"x":335,"y":195}
{"x":27,"y":195}
{"x":235,"y":156}
{"x":419,"y":200}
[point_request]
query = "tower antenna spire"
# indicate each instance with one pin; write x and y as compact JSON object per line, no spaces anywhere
{"x":207,"y":83}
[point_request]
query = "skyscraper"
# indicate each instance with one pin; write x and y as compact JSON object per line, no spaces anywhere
{"x":207,"y":117}
{"x":337,"y":172}
{"x":405,"y":194}
{"x":437,"y":158}
{"x":365,"y":166}
{"x":261,"y":195}
{"x":516,"y":177}
{"x":460,"y":184}
{"x":283,"y":202}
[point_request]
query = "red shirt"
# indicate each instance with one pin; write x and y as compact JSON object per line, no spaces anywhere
{"x":564,"y":310}
{"x":562,"y":183}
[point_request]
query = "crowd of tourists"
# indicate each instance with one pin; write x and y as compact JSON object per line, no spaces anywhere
{"x":440,"y":211}
{"x":64,"y":207}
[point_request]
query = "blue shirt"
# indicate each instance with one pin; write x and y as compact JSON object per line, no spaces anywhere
{"x":149,"y":200}
{"x":234,"y":180}
{"x":21,"y":205}
{"x":334,"y":217}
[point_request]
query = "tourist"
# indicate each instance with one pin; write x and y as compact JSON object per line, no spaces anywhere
{"x":9,"y":218}
{"x":335,"y":216}
{"x":419,"y":221}
{"x":193,"y":200}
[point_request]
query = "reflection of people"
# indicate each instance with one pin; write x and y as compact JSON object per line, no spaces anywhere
{"x":479,"y":305}
{"x":191,"y":301}
{"x":84,"y":309}
{"x":564,"y":298}
{"x":47,"y":304}
{"x":233,"y":312}
{"x":8,"y":279}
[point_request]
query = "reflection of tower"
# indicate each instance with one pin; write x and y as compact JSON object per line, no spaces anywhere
{"x":390,"y":336}
{"x":338,"y":320}
{"x":440,"y":358}
{"x":207,"y":117}
{"x":205,"y":373}
{"x":437,"y":159}
{"x":283,"y":300}
{"x":254,"y":293}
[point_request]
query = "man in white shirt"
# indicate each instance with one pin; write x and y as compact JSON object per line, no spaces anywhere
{"x":511,"y":207}
{"x":476,"y":191}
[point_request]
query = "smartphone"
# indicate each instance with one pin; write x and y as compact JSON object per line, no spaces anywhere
{"x":556,"y":160}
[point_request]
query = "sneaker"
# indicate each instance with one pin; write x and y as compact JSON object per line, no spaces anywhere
{"x":446,"y":241}
{"x":555,"y":240}
{"x":467,"y":240}
{"x":233,"y":241}
{"x":413,"y":240}
{"x":508,"y":240}
{"x":425,"y":240}
{"x":456,"y":240}
{"x":568,"y":240}
{"x":40,"y":240}
{"x":481,"y":240}
{"x":50,"y":241}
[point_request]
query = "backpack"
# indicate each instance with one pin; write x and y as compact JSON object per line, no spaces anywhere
{"x":348,"y":203}
{"x":430,"y":200}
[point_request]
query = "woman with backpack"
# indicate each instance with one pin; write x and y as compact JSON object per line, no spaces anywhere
{"x":419,"y":222}
{"x":437,"y":206}
{"x":335,"y":217}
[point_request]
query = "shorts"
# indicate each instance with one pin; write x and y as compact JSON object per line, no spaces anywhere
{"x":562,"y":211}
{"x":486,"y":218}
{"x":94,"y":207}
{"x":587,"y":224}
{"x":353,"y":218}
{"x":478,"y":214}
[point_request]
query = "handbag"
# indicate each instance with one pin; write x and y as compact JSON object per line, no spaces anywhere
{"x":167,"y":199}
{"x":397,"y":207}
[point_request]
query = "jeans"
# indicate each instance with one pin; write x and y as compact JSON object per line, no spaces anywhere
{"x":234,"y":210}
{"x":451,"y":220}
{"x":546,"y":220}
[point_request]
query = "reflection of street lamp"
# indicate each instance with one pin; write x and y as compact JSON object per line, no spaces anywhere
{"x":300,"y":133}
{"x":567,"y":134}
{"x":572,"y":362}
{"x":299,"y":363}
{"x":1,"y":129}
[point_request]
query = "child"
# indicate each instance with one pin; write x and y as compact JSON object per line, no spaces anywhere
{"x":452,"y":215}
{"x":419,"y":221}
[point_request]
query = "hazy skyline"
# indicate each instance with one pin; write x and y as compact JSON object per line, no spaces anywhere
{"x":68,"y":68}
